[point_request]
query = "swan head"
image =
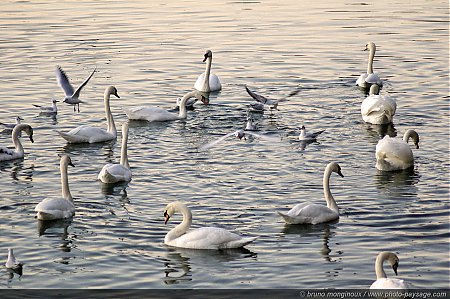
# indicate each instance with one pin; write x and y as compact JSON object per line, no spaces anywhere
{"x":112,"y":90}
{"x":208,"y":54}
{"x":334,"y":167}
{"x":65,"y":159}
{"x":374,"y":89}
{"x":201,"y":96}
{"x":171,"y":208}
{"x":413,"y":135}
{"x":370,"y":46}
{"x":29,"y":130}
{"x":392,"y":259}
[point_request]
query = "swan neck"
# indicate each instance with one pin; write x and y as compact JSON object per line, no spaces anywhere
{"x":183,"y":111}
{"x":206,"y":86}
{"x":15,"y":139}
{"x":65,"y":182}
{"x":124,"y":150}
{"x":379,"y":271}
{"x":370,"y":62}
{"x":409,"y":134}
{"x":183,"y":227}
{"x":331,"y":203}
{"x":109,"y":118}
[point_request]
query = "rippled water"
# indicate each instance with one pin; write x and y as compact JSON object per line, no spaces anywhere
{"x":152,"y":52}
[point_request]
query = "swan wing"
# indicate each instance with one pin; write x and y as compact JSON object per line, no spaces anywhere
{"x":77,"y":92}
{"x":86,"y":134}
{"x":373,"y":78}
{"x":113,"y":173}
{"x":308,"y":213}
{"x":63,"y":81}
{"x":362,"y":80}
{"x":6,"y":151}
{"x":211,"y":238}
{"x":378,"y":109}
{"x":149,"y":114}
{"x":217,"y":141}
{"x":389,"y":283}
{"x":54,"y":208}
{"x":393,"y":153}
{"x":214,"y":82}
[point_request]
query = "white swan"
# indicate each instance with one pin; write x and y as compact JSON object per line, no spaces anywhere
{"x":369,"y":78}
{"x":311,"y":213}
{"x":71,"y":96}
{"x":378,"y":109}
{"x":11,"y":262}
{"x":90,"y":134}
{"x":382,"y":281}
{"x":58,"y":208}
{"x":159,"y":114}
{"x":49,"y":110}
{"x":394,"y":153}
{"x":113,"y":173}
{"x":208,"y":82}
{"x":18,"y":152}
{"x":200,"y":238}
{"x":308,"y":136}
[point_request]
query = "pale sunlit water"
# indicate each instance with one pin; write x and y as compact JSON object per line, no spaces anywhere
{"x":152,"y":52}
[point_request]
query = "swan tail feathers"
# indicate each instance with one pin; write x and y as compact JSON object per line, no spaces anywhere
{"x":288,"y":219}
{"x":72,"y":138}
{"x":241,"y":242}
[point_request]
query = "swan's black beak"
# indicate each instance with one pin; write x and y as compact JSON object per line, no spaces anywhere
{"x":166,"y":217}
{"x":395,"y":266}
{"x":116,"y":94}
{"x":71,"y":164}
{"x":340,"y":173}
{"x":205,"y":100}
{"x":31,"y":138}
{"x":417,"y":144}
{"x":206,"y":57}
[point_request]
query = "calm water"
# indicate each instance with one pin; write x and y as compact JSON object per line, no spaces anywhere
{"x":152,"y":52}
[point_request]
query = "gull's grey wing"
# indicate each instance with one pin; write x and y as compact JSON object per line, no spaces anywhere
{"x":257,"y":97}
{"x":63,"y":81}
{"x":77,"y":92}
{"x":315,"y":134}
{"x":212,"y":143}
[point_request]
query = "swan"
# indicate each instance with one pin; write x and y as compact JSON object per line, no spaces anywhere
{"x":200,"y":238}
{"x":113,"y":173}
{"x":378,"y":109}
{"x":58,"y":208}
{"x":159,"y":114}
{"x":50,"y":110}
{"x":382,"y":281}
{"x":394,"y":153}
{"x":11,"y":262}
{"x":18,"y":152}
{"x":90,"y":134}
{"x":71,"y":96}
{"x":369,"y":78}
{"x":311,"y":213}
{"x":308,"y":136}
{"x":208,"y":82}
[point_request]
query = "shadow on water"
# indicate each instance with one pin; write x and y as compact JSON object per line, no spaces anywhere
{"x":91,"y":149}
{"x":51,"y":228}
{"x":179,"y":260}
{"x":377,"y":132}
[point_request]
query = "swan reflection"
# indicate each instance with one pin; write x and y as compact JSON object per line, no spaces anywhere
{"x":53,"y":227}
{"x":398,"y":184}
{"x":377,"y":132}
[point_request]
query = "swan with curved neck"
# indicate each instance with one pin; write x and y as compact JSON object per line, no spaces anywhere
{"x":378,"y":109}
{"x":310,"y":213}
{"x":201,"y":238}
{"x":208,"y":82}
{"x":369,"y":78}
{"x":88,"y":134}
{"x":18,"y":152}
{"x":382,"y":281}
{"x":114,"y":173}
{"x":152,"y":114}
{"x":58,"y":208}
{"x":394,"y":153}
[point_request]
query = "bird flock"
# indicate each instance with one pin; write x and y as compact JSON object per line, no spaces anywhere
{"x":391,"y":154}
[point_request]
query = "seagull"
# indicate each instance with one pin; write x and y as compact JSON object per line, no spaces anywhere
{"x":308,"y":136}
{"x":251,"y":125}
{"x":71,"y":97}
{"x":273,"y":104}
{"x":12,"y":263}
{"x":239,"y":134}
{"x":10,"y":127}
{"x":49,"y":109}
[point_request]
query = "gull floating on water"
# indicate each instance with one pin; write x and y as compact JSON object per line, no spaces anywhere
{"x":71,"y":96}
{"x":48,"y":109}
{"x":12,"y":263}
{"x":10,"y":127}
{"x":308,"y":136}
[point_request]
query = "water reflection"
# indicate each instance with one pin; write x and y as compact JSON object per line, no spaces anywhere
{"x":91,"y":149}
{"x":323,"y":230}
{"x":17,"y":169}
{"x":14,"y":272}
{"x":179,"y":260}
{"x":398,"y":184}
{"x":377,"y":132}
{"x":52,"y":116}
{"x":44,"y":225}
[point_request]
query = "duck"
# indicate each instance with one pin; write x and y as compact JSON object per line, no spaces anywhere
{"x":378,"y":109}
{"x":157,"y":114}
{"x":58,"y":208}
{"x":200,"y":238}
{"x":53,"y":109}
{"x":369,"y":78}
{"x":7,"y":154}
{"x":88,"y":134}
{"x":71,"y":96}
{"x":394,"y":153}
{"x":114,"y":173}
{"x":208,"y":82}
{"x":308,"y":136}
{"x":311,"y":213}
{"x":382,"y":281}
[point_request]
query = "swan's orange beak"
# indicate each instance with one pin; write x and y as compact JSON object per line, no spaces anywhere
{"x":166,"y":217}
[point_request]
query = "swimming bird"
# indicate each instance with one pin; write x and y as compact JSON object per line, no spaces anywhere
{"x":200,"y":238}
{"x":88,"y":134}
{"x":10,"y":127}
{"x":311,"y":213}
{"x":58,"y":208}
{"x":251,"y":125}
{"x":378,"y":109}
{"x":113,"y":173}
{"x":48,"y":110}
{"x":308,"y":136}
{"x":382,"y":281}
{"x":394,"y":153}
{"x":208,"y":82}
{"x":7,"y":154}
{"x":71,"y":96}
{"x":12,"y":263}
{"x":239,"y":134}
{"x":369,"y":78}
{"x":152,"y":114}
